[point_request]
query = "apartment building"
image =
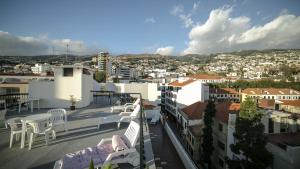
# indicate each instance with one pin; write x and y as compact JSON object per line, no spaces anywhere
{"x":41,"y":68}
{"x":190,"y":120}
{"x":271,"y":93}
{"x":181,"y":93}
{"x":125,"y":73}
{"x":223,"y":129}
{"x":292,"y":106}
{"x":285,"y":148}
{"x":224,"y":94}
{"x":283,"y":132}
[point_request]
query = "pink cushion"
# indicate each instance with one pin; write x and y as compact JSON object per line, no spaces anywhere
{"x":82,"y":158}
{"x":118,"y":144}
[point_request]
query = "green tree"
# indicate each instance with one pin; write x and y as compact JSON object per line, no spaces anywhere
{"x":100,"y":76}
{"x":91,"y":164}
{"x":250,"y":141}
{"x":207,"y":144}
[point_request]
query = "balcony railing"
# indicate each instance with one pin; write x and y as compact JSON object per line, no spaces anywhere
{"x":12,"y":100}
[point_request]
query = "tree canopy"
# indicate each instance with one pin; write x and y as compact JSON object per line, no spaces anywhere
{"x":250,"y":141}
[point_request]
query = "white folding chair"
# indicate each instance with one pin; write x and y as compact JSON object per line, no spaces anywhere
{"x":40,"y":127}
{"x":126,"y":106}
{"x":58,"y":118}
{"x":104,"y":152}
{"x":122,"y":117}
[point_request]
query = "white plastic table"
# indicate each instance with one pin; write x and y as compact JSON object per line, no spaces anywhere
{"x":31,"y":118}
{"x":30,"y":100}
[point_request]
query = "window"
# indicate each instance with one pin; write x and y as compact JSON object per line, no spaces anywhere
{"x":221,"y":145}
{"x":68,"y":72}
{"x":272,"y":97}
{"x":12,"y":90}
{"x":221,"y":162}
{"x":283,"y":124}
{"x":220,"y":127}
{"x":283,"y":97}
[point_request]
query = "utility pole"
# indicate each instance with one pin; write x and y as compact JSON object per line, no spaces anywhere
{"x":67,"y":53}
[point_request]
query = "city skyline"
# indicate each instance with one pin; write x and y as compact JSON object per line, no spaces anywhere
{"x":167,"y":28}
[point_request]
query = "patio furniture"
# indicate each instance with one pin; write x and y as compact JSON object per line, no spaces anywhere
{"x":126,"y":106}
{"x":122,"y":117}
{"x":40,"y":127}
{"x":32,"y":118}
{"x":106,"y":151}
{"x":58,"y":118}
{"x":15,"y":125}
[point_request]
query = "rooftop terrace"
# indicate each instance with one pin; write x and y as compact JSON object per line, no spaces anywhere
{"x":82,"y":132}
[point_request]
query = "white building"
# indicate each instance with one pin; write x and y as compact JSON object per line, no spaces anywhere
{"x":68,"y":80}
{"x":104,"y":63}
{"x":181,"y":93}
{"x":40,"y":68}
{"x":149,"y":91}
{"x":125,"y":73}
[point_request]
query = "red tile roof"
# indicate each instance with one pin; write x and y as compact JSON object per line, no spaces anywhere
{"x":223,"y":91}
{"x":266,"y":103}
{"x":205,"y":76}
{"x":270,"y":91}
{"x":194,"y":111}
{"x":295,"y":103}
{"x":223,"y":110}
{"x":181,"y":84}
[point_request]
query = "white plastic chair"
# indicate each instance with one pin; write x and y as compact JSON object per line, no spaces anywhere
{"x":15,"y":125}
{"x":122,"y":117}
{"x":126,"y":106}
{"x":41,"y":127}
{"x":58,"y":118}
{"x":104,"y":152}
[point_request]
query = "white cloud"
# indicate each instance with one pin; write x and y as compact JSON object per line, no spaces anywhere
{"x":150,"y":20}
{"x":185,"y":18}
{"x":29,"y":45}
{"x":168,"y":50}
{"x":177,"y":9}
{"x":195,"y":6}
{"x":222,"y":33}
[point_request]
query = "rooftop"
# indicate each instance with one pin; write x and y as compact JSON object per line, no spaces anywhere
{"x":223,"y":110}
{"x":194,"y":111}
{"x":181,"y":84}
{"x":270,"y":91}
{"x":82,"y":133}
{"x":295,"y":103}
{"x":205,"y":77}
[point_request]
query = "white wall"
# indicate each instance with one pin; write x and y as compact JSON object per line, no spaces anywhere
{"x":192,"y":93}
{"x":149,"y":91}
{"x":56,"y":94}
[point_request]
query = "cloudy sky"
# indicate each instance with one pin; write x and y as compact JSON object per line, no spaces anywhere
{"x":167,"y":27}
